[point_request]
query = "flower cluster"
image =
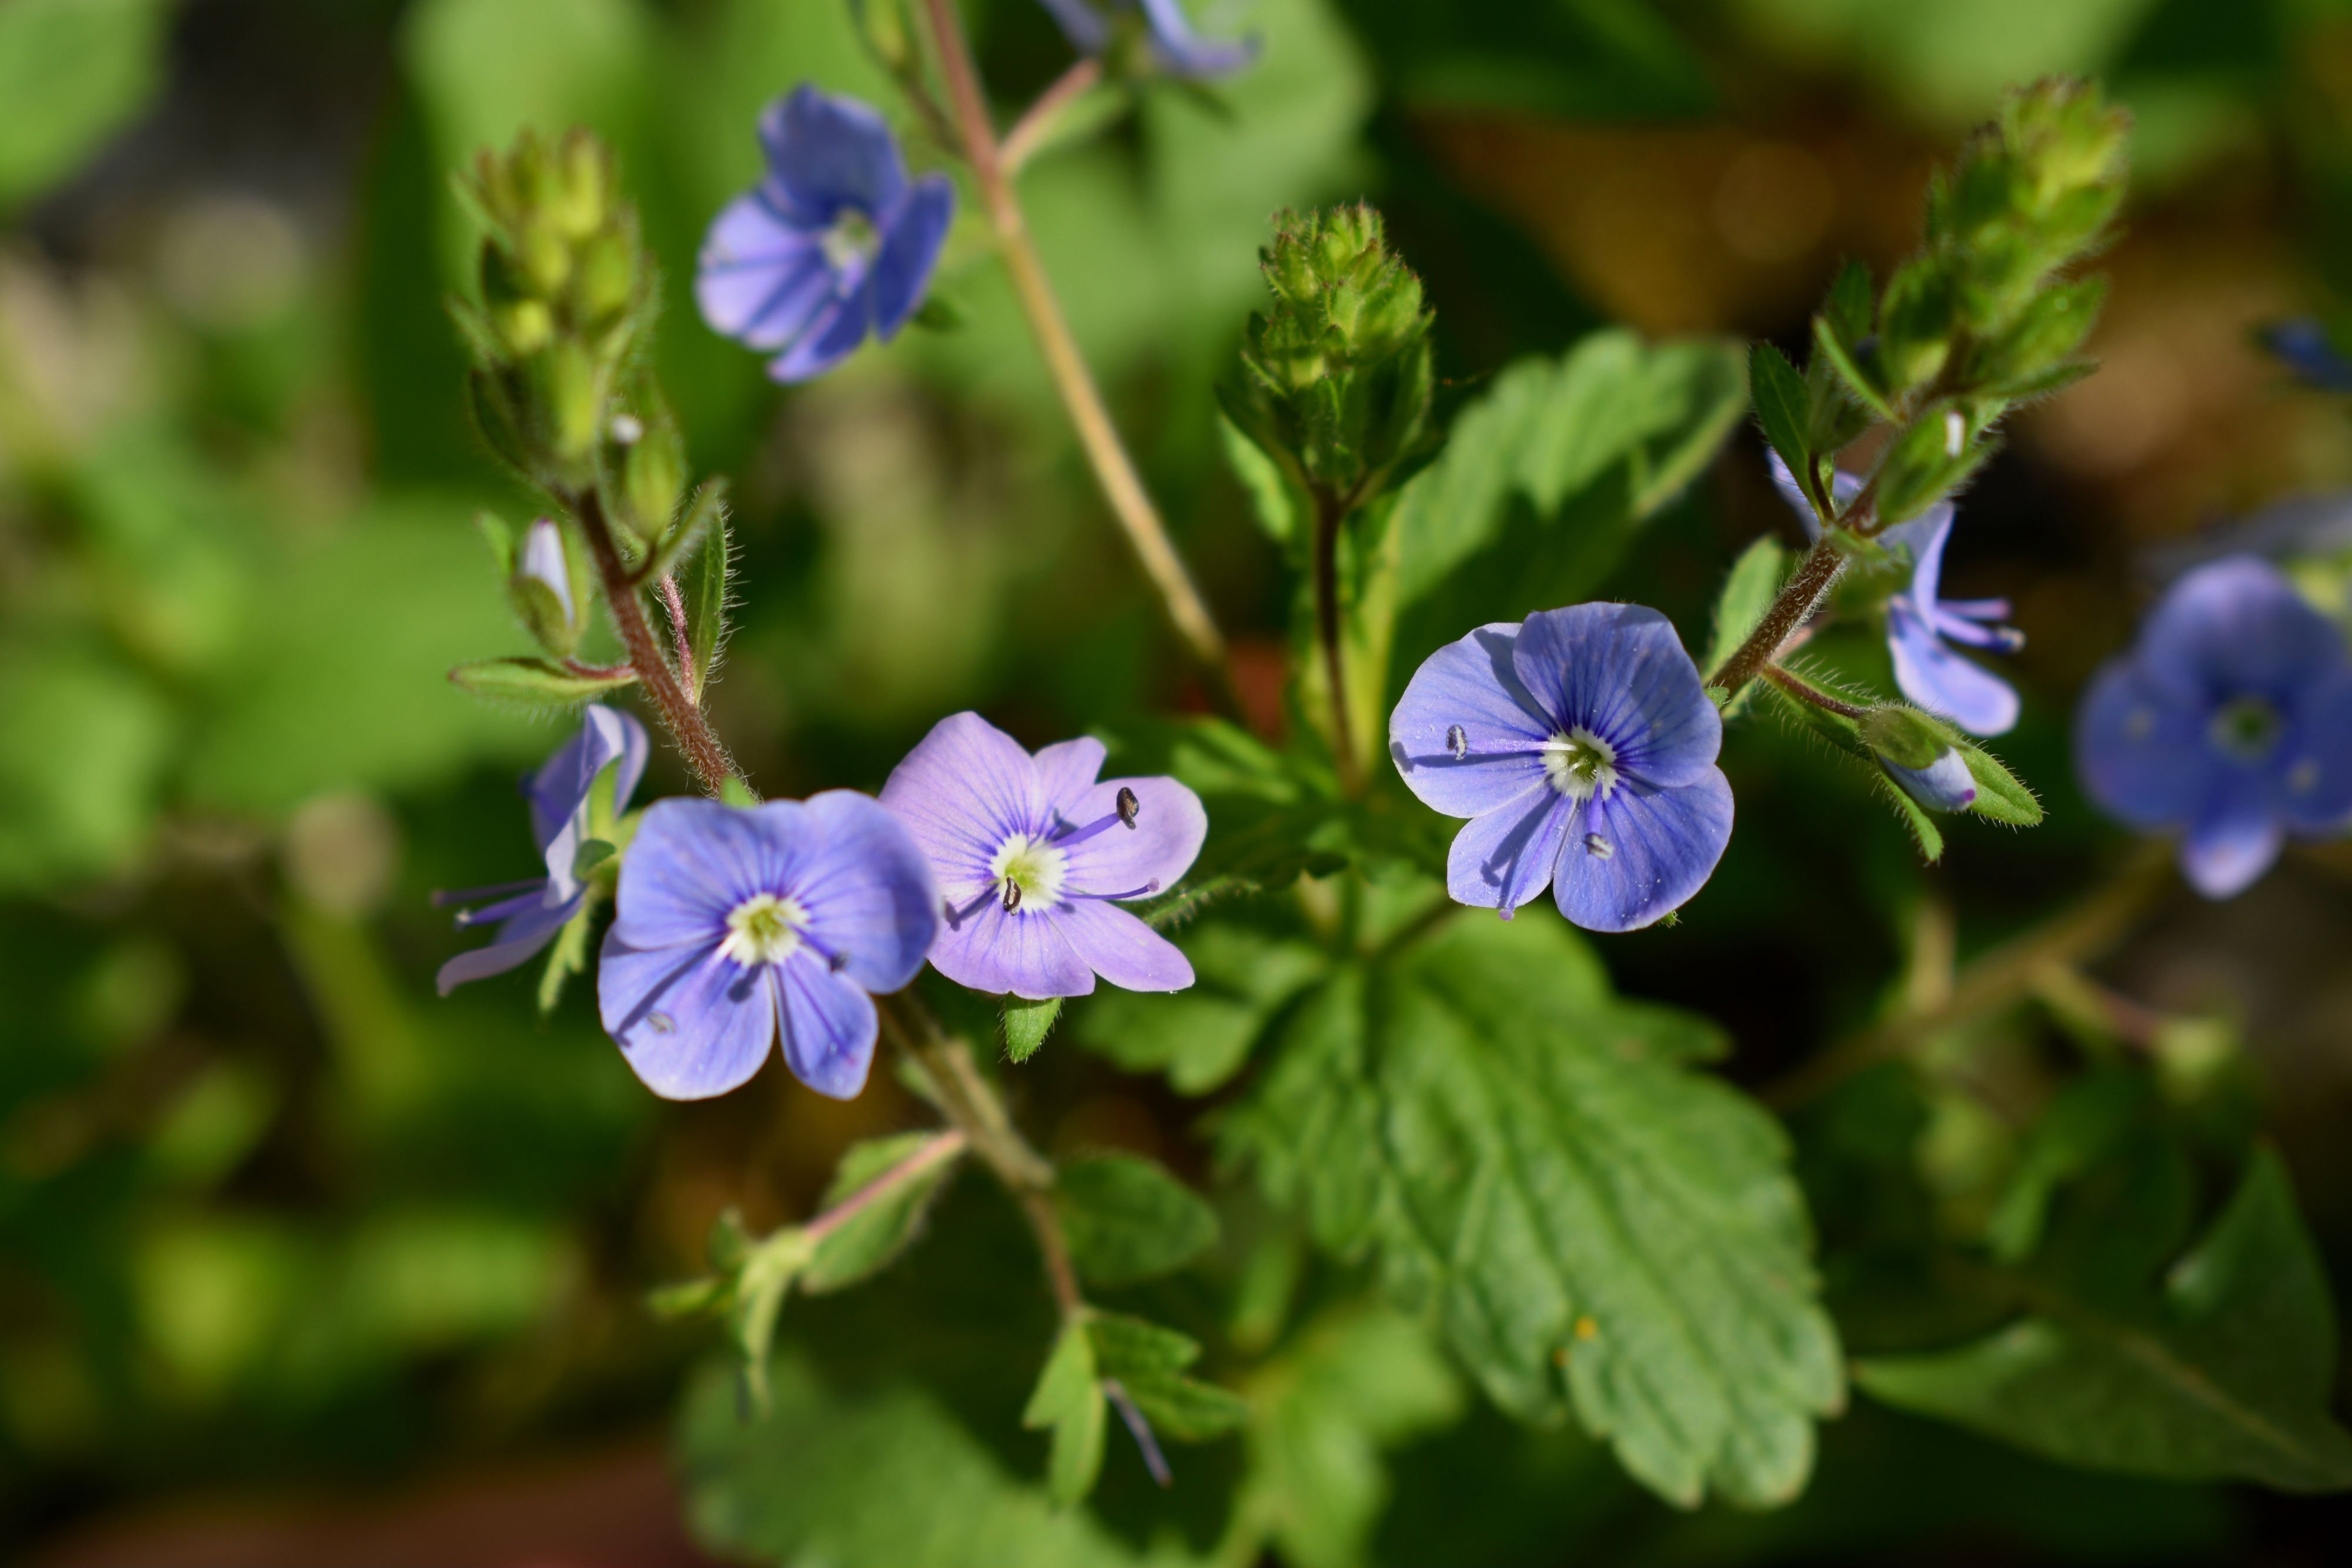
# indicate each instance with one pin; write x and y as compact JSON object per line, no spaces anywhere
{"x":739,"y":928}
{"x":2229,"y":721}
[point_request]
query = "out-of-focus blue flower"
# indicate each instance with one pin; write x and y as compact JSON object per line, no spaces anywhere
{"x":834,"y":243}
{"x":2230,"y":719}
{"x":1920,"y":625}
{"x":532,"y":912}
{"x":2303,"y":346}
{"x":1030,"y":853}
{"x":736,"y":926}
{"x":1097,"y":26}
{"x":1582,"y":745}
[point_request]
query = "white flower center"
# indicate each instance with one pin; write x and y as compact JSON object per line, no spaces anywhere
{"x":1581,"y":764}
{"x":763,"y":929}
{"x":1027,"y":873}
{"x":851,"y":241}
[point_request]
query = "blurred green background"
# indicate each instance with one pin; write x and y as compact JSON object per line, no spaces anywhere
{"x":283,"y":1238}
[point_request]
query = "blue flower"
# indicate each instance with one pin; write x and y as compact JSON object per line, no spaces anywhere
{"x":1172,"y":46}
{"x":1581,"y":746}
{"x":833,"y":243}
{"x":2303,"y":344}
{"x":2230,"y":719}
{"x":1031,"y":853}
{"x":1919,"y":624}
{"x":532,"y":912}
{"x":737,"y":926}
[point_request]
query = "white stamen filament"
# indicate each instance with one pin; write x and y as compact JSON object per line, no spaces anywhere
{"x":1581,"y":764}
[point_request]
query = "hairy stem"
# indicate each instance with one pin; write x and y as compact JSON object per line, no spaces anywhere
{"x":1328,"y":515}
{"x":1804,"y":692}
{"x":681,"y":640}
{"x":1114,"y":470}
{"x":972,"y":1106}
{"x":696,"y":739}
{"x":1797,"y":598}
{"x":2005,"y":976}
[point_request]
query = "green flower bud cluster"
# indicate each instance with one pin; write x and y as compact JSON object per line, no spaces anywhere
{"x":566,"y":288}
{"x":1980,"y":319}
{"x":1336,"y":382}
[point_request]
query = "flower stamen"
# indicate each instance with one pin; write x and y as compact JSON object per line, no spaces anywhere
{"x":1581,"y":764}
{"x":765,"y":929}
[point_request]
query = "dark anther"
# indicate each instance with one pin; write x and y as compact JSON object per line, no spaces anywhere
{"x":837,"y":962}
{"x":1129,"y":807}
{"x":1457,"y":742}
{"x":1012,"y":895}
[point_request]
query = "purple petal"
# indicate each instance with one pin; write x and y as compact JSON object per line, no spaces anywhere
{"x":868,"y":893}
{"x":559,"y":791}
{"x":1170,"y":825}
{"x":1620,"y":671}
{"x":1934,"y":532}
{"x":518,"y":939}
{"x":1641,"y":853}
{"x":2141,"y":754}
{"x":833,"y":335}
{"x":2305,"y":347}
{"x":829,"y":1026}
{"x":1941,"y":680}
{"x":691,"y":1023}
{"x":1470,"y":685}
{"x":829,"y":152}
{"x":1185,"y":53}
{"x":694,"y":861}
{"x":1020,"y":954}
{"x":1087,"y":31}
{"x":1067,"y":770}
{"x":911,"y":238}
{"x":2234,"y":840}
{"x":757,"y":280}
{"x":964,"y":790}
{"x":2314,"y":763}
{"x":1504,"y":859}
{"x":2235,"y":627}
{"x":1944,"y":785}
{"x":1121,"y":948}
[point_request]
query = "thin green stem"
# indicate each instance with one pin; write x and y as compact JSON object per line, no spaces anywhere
{"x":941,"y":1147}
{"x":2000,"y":978}
{"x":1806,"y":692}
{"x":1328,"y":517}
{"x":972,"y":1106}
{"x":1122,"y":486}
{"x":1036,"y":122}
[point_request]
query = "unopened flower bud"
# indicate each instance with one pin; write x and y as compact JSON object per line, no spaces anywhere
{"x":1923,"y":764}
{"x":540,"y":589}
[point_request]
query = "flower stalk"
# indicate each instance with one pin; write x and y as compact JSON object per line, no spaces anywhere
{"x":1114,"y":470}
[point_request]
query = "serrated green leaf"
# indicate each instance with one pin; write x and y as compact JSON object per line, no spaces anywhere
{"x":1127,"y":1220}
{"x":1358,"y":1380}
{"x":869,"y":1240}
{"x":1834,"y":349}
{"x":1851,"y":302}
{"x":1127,"y":1346}
{"x":1552,"y":431}
{"x":540,"y":681}
{"x":1201,"y":1036}
{"x":2220,"y":1371}
{"x":884,"y":1478}
{"x":2000,"y":794}
{"x":1185,"y":1408}
{"x":1069,"y":1400}
{"x":1782,"y":413}
{"x":1026,"y":1024}
{"x":1599,"y":1231}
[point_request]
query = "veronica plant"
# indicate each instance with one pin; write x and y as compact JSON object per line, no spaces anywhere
{"x":1145,"y":35}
